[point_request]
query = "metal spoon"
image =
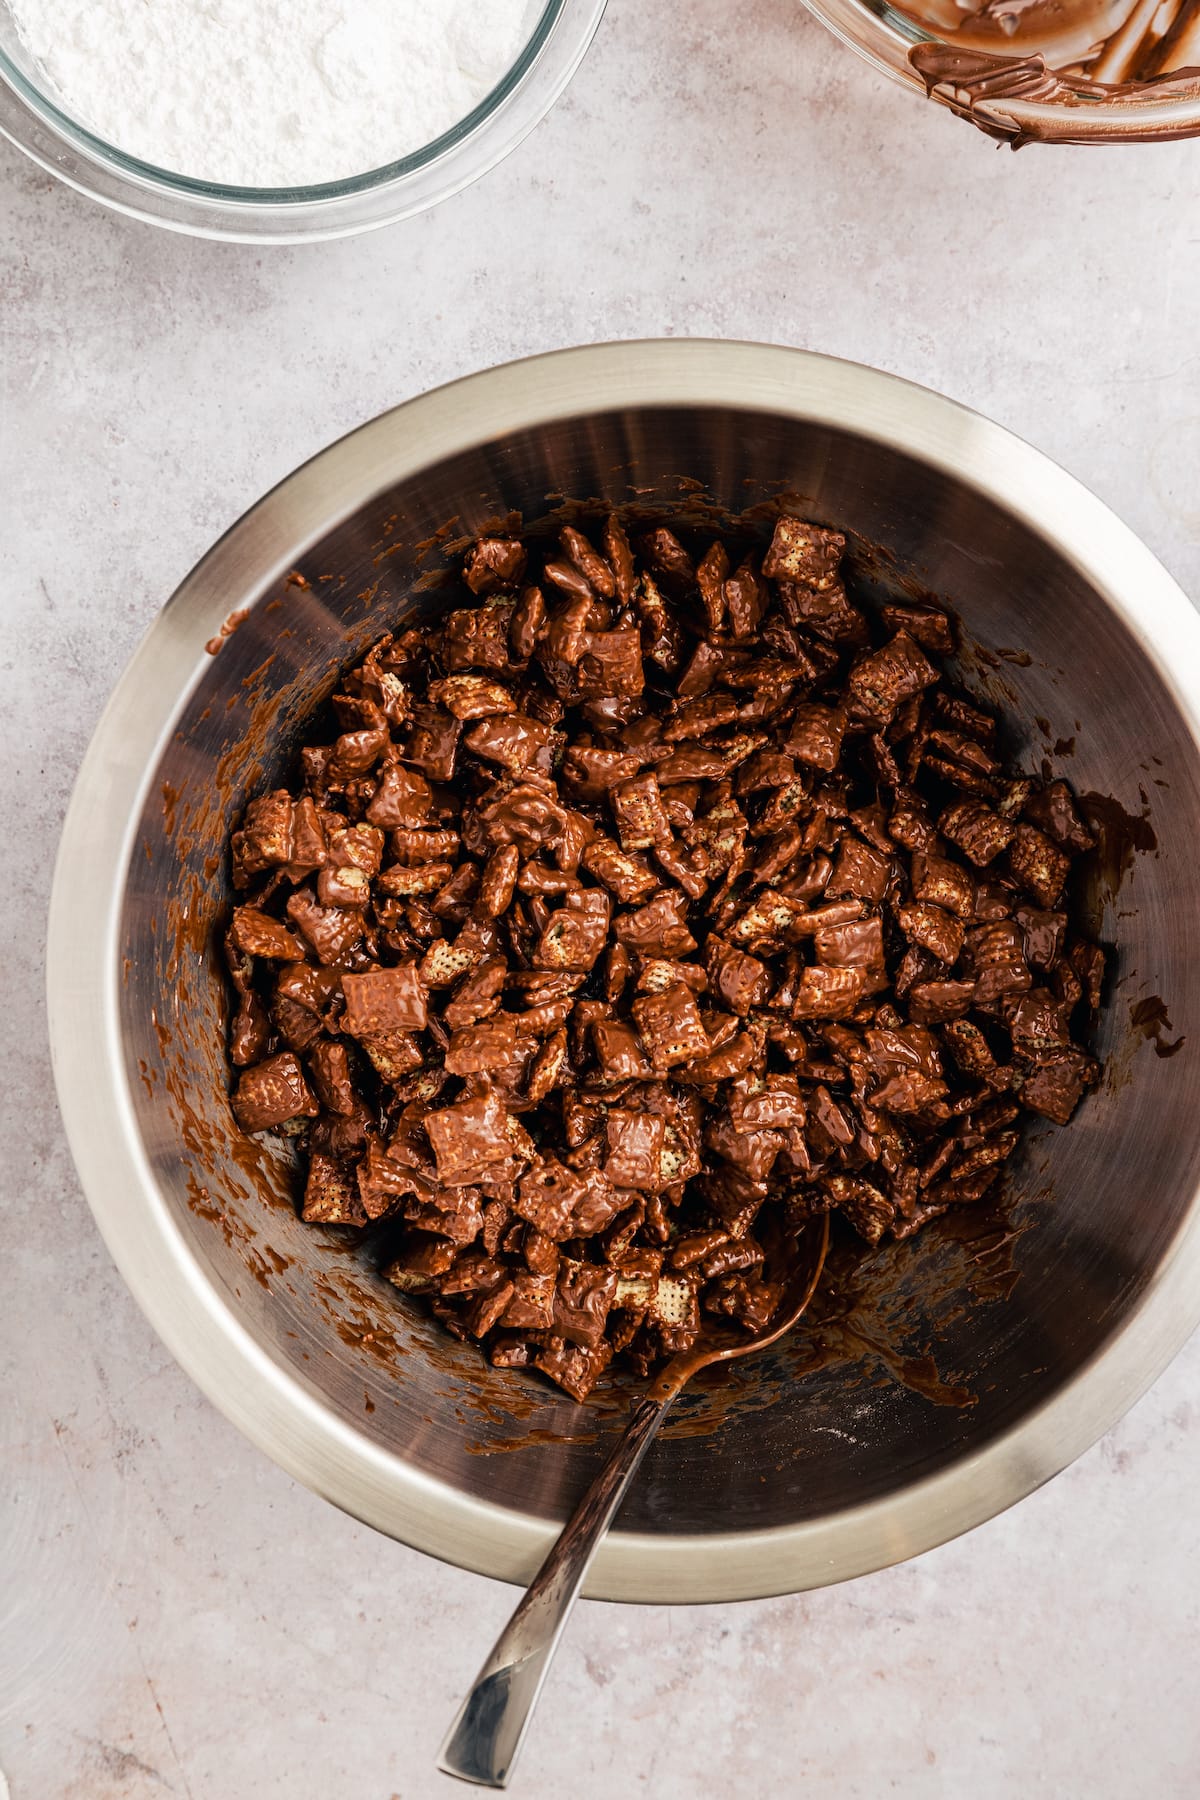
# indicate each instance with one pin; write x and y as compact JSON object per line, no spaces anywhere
{"x":486,"y":1736}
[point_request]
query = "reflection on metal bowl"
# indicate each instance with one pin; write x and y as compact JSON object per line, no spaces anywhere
{"x":936,"y":1381}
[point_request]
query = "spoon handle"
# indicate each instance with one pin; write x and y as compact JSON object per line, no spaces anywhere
{"x":482,"y":1744}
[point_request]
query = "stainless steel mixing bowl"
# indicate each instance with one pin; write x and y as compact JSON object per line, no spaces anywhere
{"x":952,"y":1374}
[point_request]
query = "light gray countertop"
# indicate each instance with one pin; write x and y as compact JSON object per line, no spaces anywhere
{"x":176,"y":1616}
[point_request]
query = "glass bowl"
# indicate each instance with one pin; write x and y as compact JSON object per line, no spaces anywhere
{"x":41,"y":127}
{"x":1011,"y":95}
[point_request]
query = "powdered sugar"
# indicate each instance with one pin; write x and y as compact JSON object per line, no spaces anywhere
{"x":272,"y":93}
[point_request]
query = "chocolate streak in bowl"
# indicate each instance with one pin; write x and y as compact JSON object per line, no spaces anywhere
{"x":1047,"y":1321}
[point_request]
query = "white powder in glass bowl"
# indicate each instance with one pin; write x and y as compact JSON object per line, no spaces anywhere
{"x":272,"y":93}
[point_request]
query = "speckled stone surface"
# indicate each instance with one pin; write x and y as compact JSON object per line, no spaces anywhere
{"x":176,"y":1616}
